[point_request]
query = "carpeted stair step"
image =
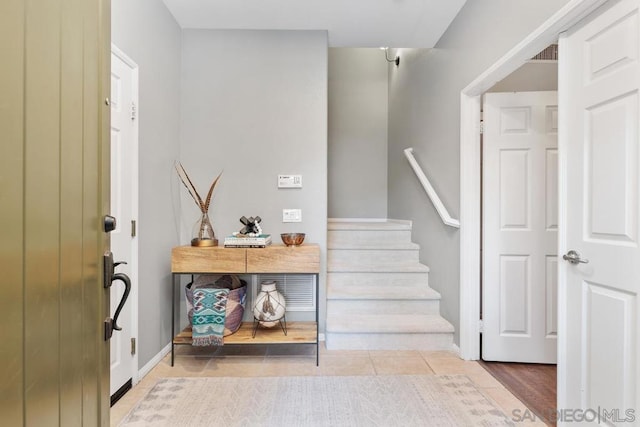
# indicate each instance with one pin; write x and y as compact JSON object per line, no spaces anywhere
{"x":374,"y":225}
{"x":389,"y":323}
{"x":394,"y":341}
{"x":370,"y":237}
{"x":388,"y":331}
{"x":388,"y":306}
{"x":396,"y":246}
{"x":339,"y":280}
{"x":347,"y":279}
{"x":368,"y":267}
{"x":372,"y":256}
{"x":365,"y":299}
{"x":367,"y":291}
{"x":377,"y":233}
{"x":378,"y":294}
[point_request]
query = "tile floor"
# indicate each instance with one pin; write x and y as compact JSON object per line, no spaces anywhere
{"x":298,"y":360}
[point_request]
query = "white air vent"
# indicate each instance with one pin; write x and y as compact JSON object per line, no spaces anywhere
{"x":548,"y":54}
{"x":298,"y":289}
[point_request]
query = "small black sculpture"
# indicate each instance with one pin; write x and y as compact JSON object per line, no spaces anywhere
{"x":251,"y":226}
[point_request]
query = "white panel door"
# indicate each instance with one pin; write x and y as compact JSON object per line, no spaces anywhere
{"x":599,"y":334}
{"x":123,"y":158}
{"x":520,"y":227}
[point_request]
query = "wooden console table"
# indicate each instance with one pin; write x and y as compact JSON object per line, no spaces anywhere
{"x":272,"y":259}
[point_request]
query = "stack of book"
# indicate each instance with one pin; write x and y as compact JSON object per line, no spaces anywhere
{"x":260,"y":241}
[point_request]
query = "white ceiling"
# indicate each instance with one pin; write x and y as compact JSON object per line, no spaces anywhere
{"x":350,"y":23}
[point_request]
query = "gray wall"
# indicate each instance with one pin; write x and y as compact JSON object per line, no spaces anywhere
{"x":531,"y":77}
{"x":254,"y":104}
{"x":424,"y":113}
{"x":358,"y":101}
{"x":148,"y":34}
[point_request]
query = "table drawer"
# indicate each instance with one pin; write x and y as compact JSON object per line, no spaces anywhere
{"x":189,"y":259}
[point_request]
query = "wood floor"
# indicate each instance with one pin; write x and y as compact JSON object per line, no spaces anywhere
{"x":533,"y":384}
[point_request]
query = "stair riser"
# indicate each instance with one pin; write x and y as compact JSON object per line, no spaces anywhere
{"x":338,"y":280}
{"x":367,"y":237}
{"x":339,"y":307}
{"x":422,"y":342}
{"x":373,"y":257}
{"x":388,"y":324}
{"x":412,"y":292}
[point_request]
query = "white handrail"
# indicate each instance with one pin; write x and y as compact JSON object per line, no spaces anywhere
{"x":428,"y":188}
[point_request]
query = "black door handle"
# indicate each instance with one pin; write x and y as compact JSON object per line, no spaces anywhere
{"x":127,"y":288}
{"x":111,"y":276}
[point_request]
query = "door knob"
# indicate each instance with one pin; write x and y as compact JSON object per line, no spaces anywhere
{"x":109,"y":223}
{"x":574,"y":258}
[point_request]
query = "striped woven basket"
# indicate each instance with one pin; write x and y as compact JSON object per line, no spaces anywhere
{"x":235,"y":305}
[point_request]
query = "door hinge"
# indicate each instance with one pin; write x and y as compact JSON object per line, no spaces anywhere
{"x":134,"y":111}
{"x":481,"y":127}
{"x":133,"y":228}
{"x":480,"y":326}
{"x":133,"y":346}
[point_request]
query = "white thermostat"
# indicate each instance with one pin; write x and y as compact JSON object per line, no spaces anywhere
{"x":289,"y":181}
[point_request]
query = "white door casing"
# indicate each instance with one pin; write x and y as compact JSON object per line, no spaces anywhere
{"x":599,"y":336}
{"x":567,"y":16}
{"x":520,"y":227}
{"x":124,"y":206}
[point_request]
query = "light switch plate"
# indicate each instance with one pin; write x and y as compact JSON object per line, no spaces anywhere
{"x":291,"y":215}
{"x":289,"y":181}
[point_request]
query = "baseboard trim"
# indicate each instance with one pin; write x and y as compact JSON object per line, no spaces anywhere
{"x":401,"y":221}
{"x":153,"y":362}
{"x":455,"y":349}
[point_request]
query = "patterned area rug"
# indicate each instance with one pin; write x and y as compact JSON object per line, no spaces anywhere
{"x":404,"y":400}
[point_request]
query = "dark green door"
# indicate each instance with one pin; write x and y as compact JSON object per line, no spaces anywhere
{"x":53,"y":194}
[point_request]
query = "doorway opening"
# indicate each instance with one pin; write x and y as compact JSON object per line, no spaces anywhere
{"x":596,"y":345}
{"x":519,"y":232}
{"x":470,"y":154}
{"x":124,"y":207}
{"x":470,"y":102}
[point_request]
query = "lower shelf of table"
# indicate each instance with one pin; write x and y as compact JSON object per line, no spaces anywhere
{"x":297,"y":333}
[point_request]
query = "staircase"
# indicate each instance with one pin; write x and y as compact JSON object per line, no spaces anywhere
{"x":378,"y":294}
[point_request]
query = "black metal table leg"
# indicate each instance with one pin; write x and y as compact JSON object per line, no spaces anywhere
{"x":173,"y":315}
{"x":317,"y":320}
